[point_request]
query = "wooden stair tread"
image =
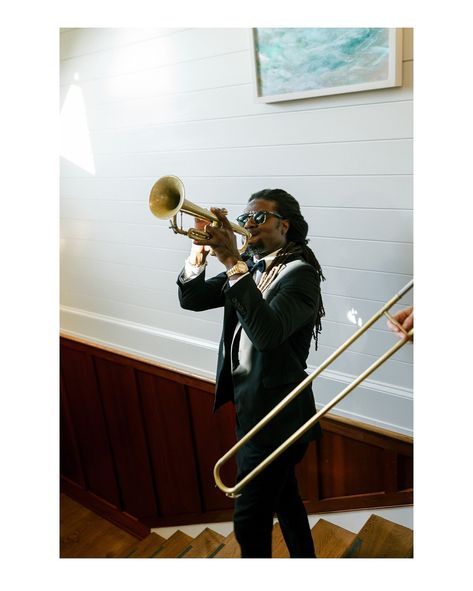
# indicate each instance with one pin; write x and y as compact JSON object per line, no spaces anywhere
{"x":380,"y":538}
{"x":279,"y":548}
{"x":174,"y":545}
{"x":204,"y":545}
{"x":84,"y":534}
{"x":230,"y":548}
{"x":147,"y":548}
{"x":330,"y":540}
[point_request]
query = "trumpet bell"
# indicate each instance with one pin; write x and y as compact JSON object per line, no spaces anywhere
{"x":167,"y":197}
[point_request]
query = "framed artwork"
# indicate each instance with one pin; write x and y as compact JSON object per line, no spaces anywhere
{"x":298,"y":63}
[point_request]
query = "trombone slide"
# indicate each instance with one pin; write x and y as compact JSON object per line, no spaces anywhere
{"x":235,"y":490}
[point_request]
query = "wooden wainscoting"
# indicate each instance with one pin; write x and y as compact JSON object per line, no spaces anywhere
{"x":139,"y":441}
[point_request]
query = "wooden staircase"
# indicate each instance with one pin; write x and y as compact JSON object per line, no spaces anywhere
{"x":92,"y":536}
{"x":379,"y":538}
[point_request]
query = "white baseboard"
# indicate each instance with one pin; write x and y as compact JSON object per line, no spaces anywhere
{"x":351,"y":520}
{"x":354,"y":520}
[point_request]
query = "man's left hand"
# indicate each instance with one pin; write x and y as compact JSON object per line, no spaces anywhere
{"x":222,"y":239}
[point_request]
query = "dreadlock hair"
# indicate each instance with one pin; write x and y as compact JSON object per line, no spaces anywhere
{"x":296,"y":246}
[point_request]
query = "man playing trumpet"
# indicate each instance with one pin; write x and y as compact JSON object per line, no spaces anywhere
{"x":272,"y":309}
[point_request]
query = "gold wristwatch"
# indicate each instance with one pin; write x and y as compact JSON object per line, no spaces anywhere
{"x":238,"y":269}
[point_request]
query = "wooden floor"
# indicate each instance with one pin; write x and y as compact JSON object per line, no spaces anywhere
{"x":86,"y":535}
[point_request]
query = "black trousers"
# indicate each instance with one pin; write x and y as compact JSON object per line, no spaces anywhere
{"x":273,"y":492}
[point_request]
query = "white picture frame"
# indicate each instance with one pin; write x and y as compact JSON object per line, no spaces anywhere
{"x":291,"y":64}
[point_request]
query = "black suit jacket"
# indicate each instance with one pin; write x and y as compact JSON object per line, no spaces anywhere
{"x":277,"y":333}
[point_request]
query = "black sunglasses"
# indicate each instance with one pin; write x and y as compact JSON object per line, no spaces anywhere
{"x":259,"y":217}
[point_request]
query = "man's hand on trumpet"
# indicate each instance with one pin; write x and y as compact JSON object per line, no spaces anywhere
{"x":222,"y":239}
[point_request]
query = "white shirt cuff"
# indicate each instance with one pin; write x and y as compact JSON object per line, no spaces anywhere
{"x":191,"y":271}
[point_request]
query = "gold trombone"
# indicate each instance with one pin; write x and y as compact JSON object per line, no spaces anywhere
{"x":167,"y":199}
{"x":235,"y":490}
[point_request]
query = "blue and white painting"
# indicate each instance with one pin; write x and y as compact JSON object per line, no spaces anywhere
{"x":321,"y":61}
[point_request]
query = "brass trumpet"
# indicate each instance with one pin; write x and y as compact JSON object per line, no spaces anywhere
{"x":167,"y":199}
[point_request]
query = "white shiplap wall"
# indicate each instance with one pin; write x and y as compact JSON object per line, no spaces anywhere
{"x":141,"y":103}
